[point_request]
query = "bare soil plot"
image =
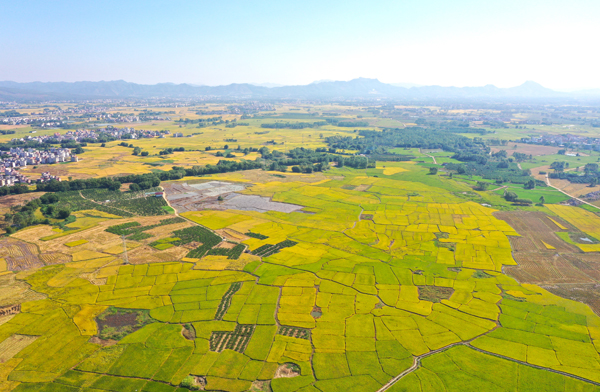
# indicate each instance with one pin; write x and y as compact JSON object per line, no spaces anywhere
{"x":529,"y":149}
{"x":194,"y":197}
{"x":17,"y":200}
{"x":564,"y":271}
{"x":572,"y":188}
{"x":287,"y":370}
{"x":232,"y":235}
{"x":536,"y":229}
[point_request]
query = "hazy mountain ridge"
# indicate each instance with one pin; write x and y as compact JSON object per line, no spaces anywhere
{"x":356,"y":88}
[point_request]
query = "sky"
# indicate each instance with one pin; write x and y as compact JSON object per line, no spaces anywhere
{"x":428,"y":42}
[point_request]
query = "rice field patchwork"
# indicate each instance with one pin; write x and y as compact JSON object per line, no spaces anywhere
{"x":341,"y":296}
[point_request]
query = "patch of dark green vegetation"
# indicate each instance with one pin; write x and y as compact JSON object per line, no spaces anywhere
{"x":512,"y":298}
{"x":116,"y":323}
{"x":256,"y":235}
{"x":268,"y":249}
{"x":481,"y":275}
{"x":233,"y":253}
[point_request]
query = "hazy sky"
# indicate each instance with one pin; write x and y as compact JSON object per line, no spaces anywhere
{"x":458,"y":42}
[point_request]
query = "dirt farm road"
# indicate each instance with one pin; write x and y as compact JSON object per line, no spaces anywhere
{"x":571,"y":196}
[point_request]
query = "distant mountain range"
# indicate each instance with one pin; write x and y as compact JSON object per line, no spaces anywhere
{"x":361,"y":88}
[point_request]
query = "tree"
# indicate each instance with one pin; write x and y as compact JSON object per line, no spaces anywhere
{"x":510,"y":196}
{"x":594,"y":181}
{"x":530,"y":184}
{"x":134,"y":187}
{"x":590,"y":168}
{"x":144,"y":153}
{"x":49,"y":211}
{"x":49,"y":198}
{"x":481,"y":186}
{"x":296,"y":169}
{"x":63,"y":213}
{"x":559,"y":166}
{"x":542,"y":199}
{"x":433,"y":170}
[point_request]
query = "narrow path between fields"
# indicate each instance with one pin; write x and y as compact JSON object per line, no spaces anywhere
{"x":189,"y":220}
{"x":169,"y":204}
{"x":571,"y":196}
{"x":432,"y":157}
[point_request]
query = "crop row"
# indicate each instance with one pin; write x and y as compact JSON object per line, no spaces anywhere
{"x":256,"y":235}
{"x":8,"y":310}
{"x":233,"y":253}
{"x":237,"y":340}
{"x":134,"y":202}
{"x":197,"y":234}
{"x":268,"y":249}
{"x":226,"y":300}
{"x":294,"y":332}
{"x":74,"y":202}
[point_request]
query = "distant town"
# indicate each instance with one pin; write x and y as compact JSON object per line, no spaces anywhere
{"x":567,"y":141}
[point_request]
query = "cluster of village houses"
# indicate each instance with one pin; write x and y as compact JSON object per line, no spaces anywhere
{"x":18,"y":158}
{"x":587,"y":143}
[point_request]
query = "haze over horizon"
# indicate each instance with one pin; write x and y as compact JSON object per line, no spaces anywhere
{"x":463,"y":43}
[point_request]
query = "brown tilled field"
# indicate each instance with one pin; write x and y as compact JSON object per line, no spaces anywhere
{"x":565,"y":270}
{"x":529,"y":149}
{"x":19,"y":255}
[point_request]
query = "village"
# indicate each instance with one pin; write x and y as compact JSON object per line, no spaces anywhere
{"x":567,"y":140}
{"x":20,"y":157}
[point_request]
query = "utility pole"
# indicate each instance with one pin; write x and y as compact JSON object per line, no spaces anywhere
{"x":125,"y":259}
